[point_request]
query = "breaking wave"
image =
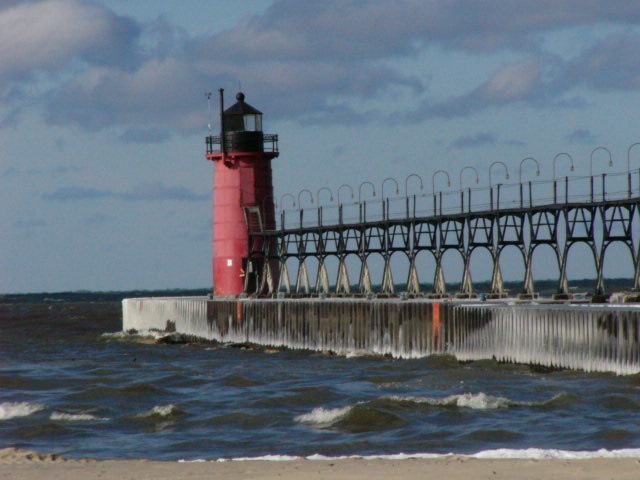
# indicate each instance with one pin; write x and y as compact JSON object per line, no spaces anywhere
{"x":352,"y":419}
{"x":75,"y":417}
{"x":323,"y":417}
{"x":500,"y":453}
{"x":9,"y":410}
{"x":475,"y":401}
{"x":162,"y":411}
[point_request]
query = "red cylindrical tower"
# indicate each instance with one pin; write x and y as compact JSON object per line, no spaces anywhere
{"x":242,"y":156}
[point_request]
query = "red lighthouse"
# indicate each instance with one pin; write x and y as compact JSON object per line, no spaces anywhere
{"x":242,"y":156}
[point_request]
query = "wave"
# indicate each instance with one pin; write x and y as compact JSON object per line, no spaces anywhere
{"x":323,"y":417}
{"x":9,"y":410}
{"x":75,"y":417}
{"x":169,"y":410}
{"x":475,"y":401}
{"x":356,"y":418}
{"x":500,"y":453}
{"x":542,"y":453}
{"x":326,"y":417}
{"x":381,"y":413}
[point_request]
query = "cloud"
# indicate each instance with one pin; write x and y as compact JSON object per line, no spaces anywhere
{"x":53,"y":172}
{"x":160,"y":94}
{"x":30,"y":224}
{"x":9,"y":172}
{"x":46,"y":35}
{"x":145,"y":135}
{"x":317,"y":68}
{"x":341,"y":31}
{"x":63,"y":170}
{"x":141,"y":192}
{"x":77,"y":193}
{"x":581,"y":136}
{"x":477,"y":140}
{"x":612,"y":64}
{"x":514,"y":143}
{"x":97,"y":219}
{"x":158,"y":191}
{"x":534,"y":81}
{"x":60,"y":144}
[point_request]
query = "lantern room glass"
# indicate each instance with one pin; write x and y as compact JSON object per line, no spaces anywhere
{"x":252,"y":122}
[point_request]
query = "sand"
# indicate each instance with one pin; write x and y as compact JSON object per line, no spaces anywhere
{"x":16,"y":464}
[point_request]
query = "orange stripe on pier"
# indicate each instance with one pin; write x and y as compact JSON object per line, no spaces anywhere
{"x":239,"y":315}
{"x":436,"y":323}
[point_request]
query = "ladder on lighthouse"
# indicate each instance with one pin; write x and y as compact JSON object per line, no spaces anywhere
{"x":255,"y":225}
{"x":253,"y":217}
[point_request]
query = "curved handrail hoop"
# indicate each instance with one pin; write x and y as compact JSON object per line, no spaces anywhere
{"x":293,"y":200}
{"x":556,"y":158}
{"x":385,"y":181}
{"x":591,"y":158}
{"x":506,"y":171}
{"x":300,"y":193}
{"x":350,"y":189}
{"x":522,"y":162}
{"x":433,"y":180}
{"x":629,"y":156}
{"x":468,"y":167}
{"x":406,"y":183}
{"x":373,"y":188}
{"x":320,"y":190}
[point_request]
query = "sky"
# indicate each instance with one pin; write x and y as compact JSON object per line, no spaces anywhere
{"x":103,"y":114}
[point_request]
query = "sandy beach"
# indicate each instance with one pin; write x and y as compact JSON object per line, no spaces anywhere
{"x":18,"y":464}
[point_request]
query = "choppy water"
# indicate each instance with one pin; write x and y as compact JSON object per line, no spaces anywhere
{"x":67,"y":388}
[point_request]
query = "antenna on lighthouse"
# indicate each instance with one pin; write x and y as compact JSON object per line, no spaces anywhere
{"x":208,"y":95}
{"x":223,"y":142}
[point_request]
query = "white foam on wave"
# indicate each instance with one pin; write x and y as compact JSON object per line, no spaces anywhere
{"x":113,"y":334}
{"x":542,"y":453}
{"x":323,"y":416}
{"x":162,"y":410}
{"x":497,"y":454}
{"x":75,"y":417}
{"x":268,"y":458}
{"x":476,"y":401}
{"x":152,"y":333}
{"x":9,"y":410}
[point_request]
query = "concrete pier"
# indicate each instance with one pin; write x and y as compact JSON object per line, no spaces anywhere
{"x":589,"y":337}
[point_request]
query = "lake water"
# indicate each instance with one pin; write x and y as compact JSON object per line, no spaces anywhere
{"x":70,"y":384}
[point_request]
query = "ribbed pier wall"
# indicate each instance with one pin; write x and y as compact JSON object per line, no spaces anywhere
{"x":586,"y":337}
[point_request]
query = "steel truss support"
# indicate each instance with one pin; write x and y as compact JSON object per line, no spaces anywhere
{"x":439,"y":284}
{"x":322,"y":282}
{"x":597,"y":224}
{"x":343,"y":285}
{"x":364,"y":284}
{"x":636,"y":281}
{"x":302,"y":280}
{"x":497,"y":282}
{"x":467,"y":284}
{"x":388,"y":286}
{"x":285,"y":280}
{"x":413,"y":280}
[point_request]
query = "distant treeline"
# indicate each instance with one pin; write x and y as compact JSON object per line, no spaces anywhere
{"x":87,"y":296}
{"x":544,"y":287}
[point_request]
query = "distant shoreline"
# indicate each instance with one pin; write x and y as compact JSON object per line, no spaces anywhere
{"x":544,"y":287}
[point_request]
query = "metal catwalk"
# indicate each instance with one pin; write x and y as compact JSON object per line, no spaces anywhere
{"x":596,"y":210}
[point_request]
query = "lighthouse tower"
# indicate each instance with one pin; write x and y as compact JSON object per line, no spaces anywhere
{"x":243,"y":188}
